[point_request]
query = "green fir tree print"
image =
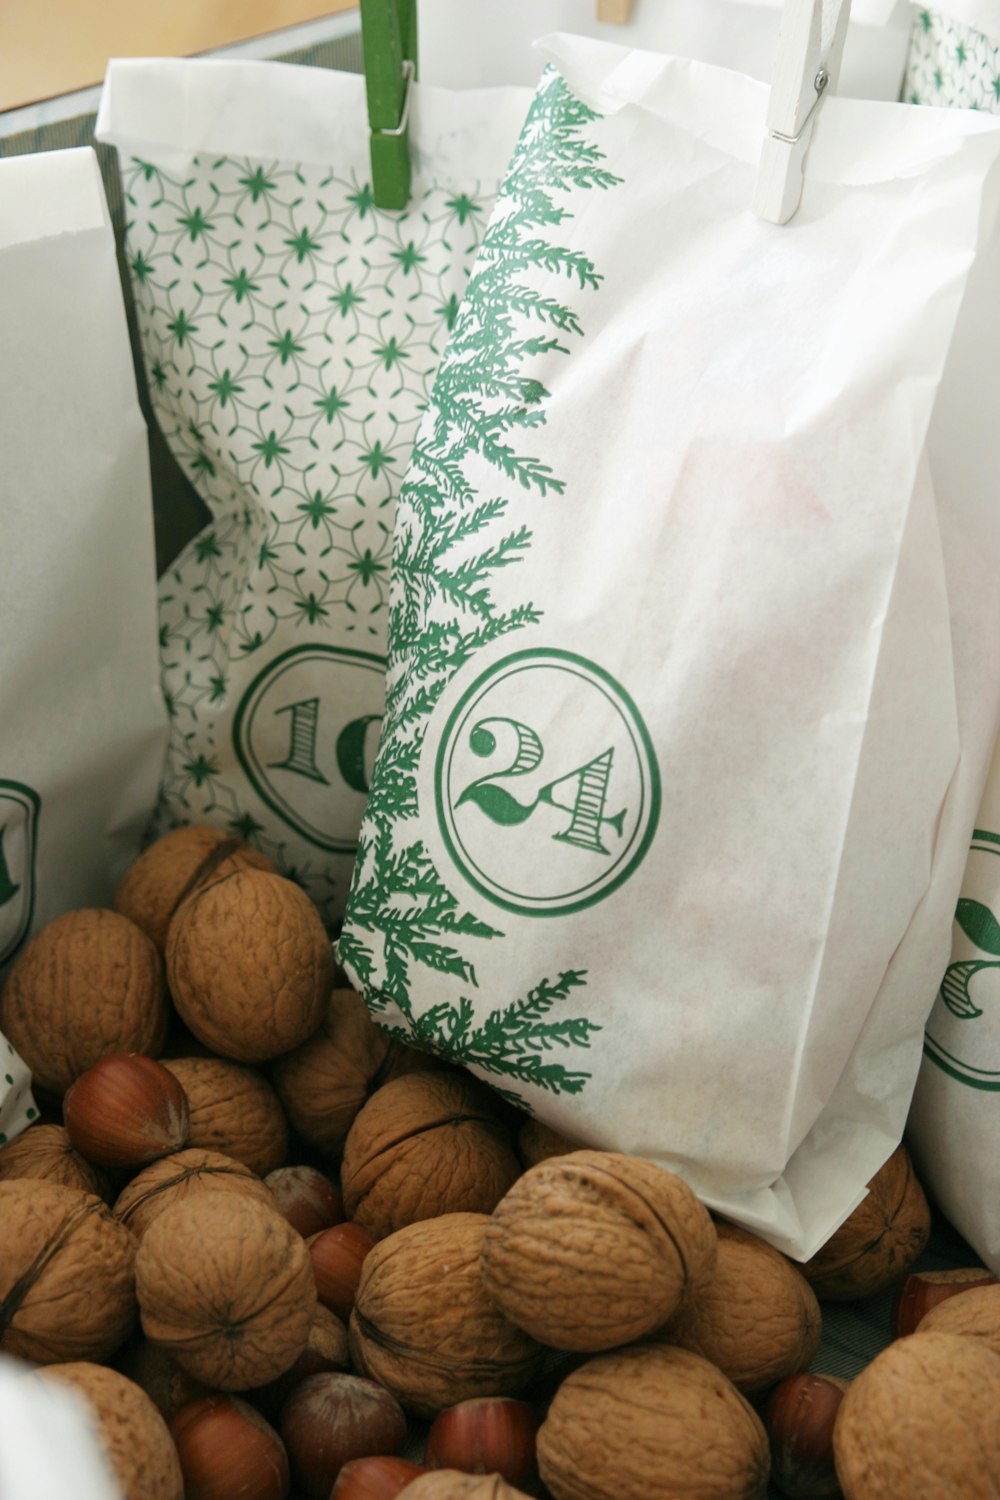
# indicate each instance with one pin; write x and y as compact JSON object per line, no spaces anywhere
{"x":291,"y":333}
{"x":451,"y":541}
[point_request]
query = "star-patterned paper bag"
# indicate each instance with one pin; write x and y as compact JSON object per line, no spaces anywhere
{"x":694,"y":648}
{"x":290,"y":332}
{"x":953,"y":60}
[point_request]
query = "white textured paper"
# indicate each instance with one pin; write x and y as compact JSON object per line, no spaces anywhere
{"x":49,"y":1448}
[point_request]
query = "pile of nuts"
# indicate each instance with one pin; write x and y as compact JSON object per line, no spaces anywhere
{"x":281,"y":1254}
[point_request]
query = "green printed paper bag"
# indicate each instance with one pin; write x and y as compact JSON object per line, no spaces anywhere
{"x":693,"y":635}
{"x":290,"y":332}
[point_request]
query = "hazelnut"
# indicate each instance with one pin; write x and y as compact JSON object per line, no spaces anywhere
{"x":423,"y":1325}
{"x":174,"y":867}
{"x":924,"y":1290}
{"x":757,"y":1319}
{"x":326,"y":1350}
{"x":877,"y":1242}
{"x":450,"y":1484}
{"x":45,"y":1152}
{"x":926,"y":1408}
{"x":975,"y":1314}
{"x":172,"y":1179}
{"x":242,"y":993}
{"x":799,"y":1419}
{"x":652,"y":1421}
{"x":375,"y":1478}
{"x":126,"y":1111}
{"x":67,"y":1286}
{"x":330,"y":1419}
{"x":228,"y":1452}
{"x":87,"y":985}
{"x":133,"y":1435}
{"x":424,"y":1145}
{"x":337,"y":1256}
{"x":307,"y":1199}
{"x":233,"y":1109}
{"x":491,"y":1435}
{"x":595,"y":1249}
{"x":236,"y":1317}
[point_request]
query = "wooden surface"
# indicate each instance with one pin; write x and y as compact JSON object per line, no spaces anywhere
{"x":50,"y":47}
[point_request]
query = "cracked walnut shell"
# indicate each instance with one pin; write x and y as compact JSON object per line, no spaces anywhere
{"x":249,"y":965}
{"x":67,"y":1288}
{"x":879,"y":1241}
{"x":88,"y":985}
{"x":652,"y":1423}
{"x":225,"y":1285}
{"x":175,"y":1178}
{"x":424,"y":1145}
{"x":132,"y":1433}
{"x":423,"y":1326}
{"x":595,"y":1249}
{"x":232,"y":1109}
{"x":174,"y":867}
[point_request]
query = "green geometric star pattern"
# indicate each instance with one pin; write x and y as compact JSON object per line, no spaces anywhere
{"x":951,"y":65}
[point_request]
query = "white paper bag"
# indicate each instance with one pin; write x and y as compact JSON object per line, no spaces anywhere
{"x":694,"y":636}
{"x":49,"y":1447}
{"x":82,"y":721}
{"x":290,"y":333}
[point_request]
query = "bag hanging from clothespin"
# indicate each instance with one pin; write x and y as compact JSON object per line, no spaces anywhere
{"x":810,"y":48}
{"x":389,"y":42}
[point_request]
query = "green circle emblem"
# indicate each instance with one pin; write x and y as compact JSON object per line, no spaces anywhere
{"x":971,"y":985}
{"x":546,"y":783}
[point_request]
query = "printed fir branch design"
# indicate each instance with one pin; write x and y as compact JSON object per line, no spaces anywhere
{"x":450,"y":543}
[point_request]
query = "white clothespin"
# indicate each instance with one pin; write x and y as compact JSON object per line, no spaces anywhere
{"x":810,"y":46}
{"x":616,"y":11}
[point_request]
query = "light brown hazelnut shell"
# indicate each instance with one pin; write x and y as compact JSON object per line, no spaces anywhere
{"x":175,"y":1178}
{"x":879,"y":1241}
{"x":133,"y":1434}
{"x":425,"y":1144}
{"x":652,"y":1423}
{"x":89,"y":984}
{"x":232,"y":1109}
{"x":174,"y":867}
{"x":46,"y":1153}
{"x":594,"y":1249}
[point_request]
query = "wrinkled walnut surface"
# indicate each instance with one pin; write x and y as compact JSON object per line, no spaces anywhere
{"x":451,"y":1484}
{"x":46,"y":1152}
{"x":67,"y":1288}
{"x":133,"y":1433}
{"x":652,"y":1423}
{"x":595,"y":1249}
{"x":879,"y":1241}
{"x":249,"y":965}
{"x":174,"y":867}
{"x":86,"y":986}
{"x":973,"y":1314}
{"x":175,"y":1178}
{"x":423,"y":1325}
{"x":226,"y":1286}
{"x":423,"y":1145}
{"x":233,"y":1109}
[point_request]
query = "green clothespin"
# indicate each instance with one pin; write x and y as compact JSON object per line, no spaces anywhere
{"x":389,"y":42}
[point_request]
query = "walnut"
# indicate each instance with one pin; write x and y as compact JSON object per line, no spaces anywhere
{"x":594,"y":1249}
{"x":46,"y":1152}
{"x":757,"y":1319}
{"x":66,"y":1274}
{"x":920,"y":1422}
{"x":249,"y":965}
{"x":86,"y":986}
{"x":324,"y":1083}
{"x":175,"y":1178}
{"x":133,"y":1434}
{"x":174,"y":867}
{"x":652,"y":1423}
{"x":233,"y":1109}
{"x":423,"y":1326}
{"x":425,"y":1144}
{"x":160,"y":1376}
{"x":879,"y":1241}
{"x":975,"y":1314}
{"x":225,"y":1285}
{"x":451,"y":1484}
{"x":537,"y":1142}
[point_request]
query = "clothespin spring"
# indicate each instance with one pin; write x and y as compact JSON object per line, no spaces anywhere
{"x":819,"y":84}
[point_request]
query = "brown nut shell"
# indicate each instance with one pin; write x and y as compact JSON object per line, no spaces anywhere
{"x":323,"y":1084}
{"x":452,"y":1484}
{"x":975,"y":1315}
{"x":921,"y":1421}
{"x":537,"y":1142}
{"x":423,"y":1326}
{"x":232,"y":1109}
{"x":67,"y":1288}
{"x":174,"y":867}
{"x":249,"y":965}
{"x":652,"y":1423}
{"x":879,"y":1241}
{"x":88,"y":985}
{"x":757,"y":1319}
{"x":237,"y":1317}
{"x":46,"y":1153}
{"x":132,"y":1432}
{"x":331,"y":1419}
{"x":594,"y":1249}
{"x":425,"y":1144}
{"x":159,"y":1375}
{"x":175,"y":1178}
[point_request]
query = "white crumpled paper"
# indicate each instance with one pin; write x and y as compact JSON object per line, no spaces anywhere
{"x":695,"y":635}
{"x":49,"y":1449}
